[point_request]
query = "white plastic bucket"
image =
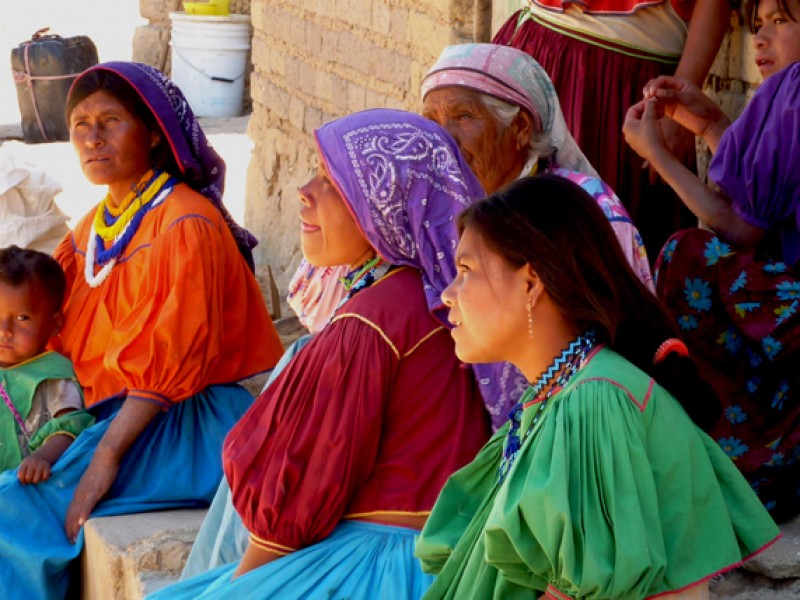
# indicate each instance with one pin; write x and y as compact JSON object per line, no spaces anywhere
{"x":209,"y":61}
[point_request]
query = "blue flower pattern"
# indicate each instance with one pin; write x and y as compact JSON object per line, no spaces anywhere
{"x":771,"y":347}
{"x":785,"y":311}
{"x":669,"y":250}
{"x":775,"y":268}
{"x":735,"y":415}
{"x":742,"y":308}
{"x":788,"y":290}
{"x":716,"y":249}
{"x":698,"y":294}
{"x":731,"y":340}
{"x":767,"y":298}
{"x":780,"y":396}
{"x":739,"y":283}
{"x":733,"y":446}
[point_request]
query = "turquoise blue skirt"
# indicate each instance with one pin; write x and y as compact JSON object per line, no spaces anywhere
{"x":358,"y":561}
{"x":223,"y":538}
{"x":174,"y":463}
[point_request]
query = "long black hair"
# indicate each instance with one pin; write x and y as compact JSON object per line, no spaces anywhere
{"x":555,"y":226}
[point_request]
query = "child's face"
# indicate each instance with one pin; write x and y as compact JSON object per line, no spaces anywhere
{"x":777,"y":37}
{"x":27,"y":322}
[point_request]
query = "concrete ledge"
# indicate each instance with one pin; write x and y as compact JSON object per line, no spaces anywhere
{"x":128,"y":556}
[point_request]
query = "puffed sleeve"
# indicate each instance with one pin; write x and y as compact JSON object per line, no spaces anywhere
{"x":458,"y":503}
{"x":753,"y":163}
{"x":170,"y":314}
{"x":618,"y":499}
{"x":310,"y":440}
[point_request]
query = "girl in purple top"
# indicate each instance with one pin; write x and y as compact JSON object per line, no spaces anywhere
{"x":734,"y":289}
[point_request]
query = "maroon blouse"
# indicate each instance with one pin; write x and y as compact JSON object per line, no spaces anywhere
{"x":367,"y":421}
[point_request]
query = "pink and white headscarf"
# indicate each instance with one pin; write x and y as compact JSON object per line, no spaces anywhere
{"x":514,"y":77}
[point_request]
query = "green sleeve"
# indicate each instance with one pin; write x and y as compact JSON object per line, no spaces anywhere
{"x":71,"y":424}
{"x":621,"y":497}
{"x":459,"y":501}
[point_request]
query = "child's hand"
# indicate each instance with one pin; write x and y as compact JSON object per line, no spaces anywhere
{"x":686,"y":104}
{"x":33,"y":470}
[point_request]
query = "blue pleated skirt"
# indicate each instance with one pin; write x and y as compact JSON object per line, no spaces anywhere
{"x":223,"y":538}
{"x":358,"y":561}
{"x":174,"y":463}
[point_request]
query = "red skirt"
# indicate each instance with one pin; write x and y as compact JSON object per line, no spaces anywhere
{"x":596,"y":86}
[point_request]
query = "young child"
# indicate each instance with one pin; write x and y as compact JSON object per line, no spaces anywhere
{"x":732,"y":288}
{"x":41,"y":409}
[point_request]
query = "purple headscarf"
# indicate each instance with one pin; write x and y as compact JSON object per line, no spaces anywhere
{"x":201,"y":167}
{"x":405,"y":182}
{"x":754,"y":163}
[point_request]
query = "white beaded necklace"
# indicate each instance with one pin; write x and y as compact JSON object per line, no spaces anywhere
{"x":93,"y":279}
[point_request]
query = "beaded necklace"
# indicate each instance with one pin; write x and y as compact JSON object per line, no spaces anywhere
{"x":554,"y":378}
{"x":363,"y":276}
{"x":109,"y":221}
{"x":151,"y":190}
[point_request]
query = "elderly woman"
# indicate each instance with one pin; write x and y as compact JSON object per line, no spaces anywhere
{"x":602,"y":485}
{"x":337,"y":464}
{"x":503,"y":112}
{"x":162,"y":317}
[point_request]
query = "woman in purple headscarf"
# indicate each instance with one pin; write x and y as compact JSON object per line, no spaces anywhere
{"x":338,"y":463}
{"x":735,"y":289}
{"x":162,"y":317}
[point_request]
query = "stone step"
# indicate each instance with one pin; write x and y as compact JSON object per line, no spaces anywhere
{"x":128,"y":556}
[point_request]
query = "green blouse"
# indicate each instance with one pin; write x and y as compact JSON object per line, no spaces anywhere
{"x":615,"y":494}
{"x":20,"y":383}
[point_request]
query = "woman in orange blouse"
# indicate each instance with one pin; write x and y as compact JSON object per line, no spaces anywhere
{"x":162,"y":317}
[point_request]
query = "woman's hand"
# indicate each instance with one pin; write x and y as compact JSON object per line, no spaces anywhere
{"x":643,"y":132}
{"x":94,"y":484}
{"x":687,"y":105}
{"x":131,"y":420}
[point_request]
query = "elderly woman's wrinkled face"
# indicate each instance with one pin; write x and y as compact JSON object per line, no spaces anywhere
{"x":113,"y":145}
{"x":495,"y":153}
{"x":329,"y":235}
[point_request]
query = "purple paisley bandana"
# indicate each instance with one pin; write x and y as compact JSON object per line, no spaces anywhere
{"x":405,"y":182}
{"x":201,"y":167}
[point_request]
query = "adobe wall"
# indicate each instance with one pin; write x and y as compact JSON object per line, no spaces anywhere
{"x":317,"y":61}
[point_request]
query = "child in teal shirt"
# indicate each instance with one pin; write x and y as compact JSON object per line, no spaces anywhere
{"x":41,"y":402}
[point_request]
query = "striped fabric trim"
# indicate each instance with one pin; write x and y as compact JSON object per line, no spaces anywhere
{"x":153,"y":397}
{"x":422,"y":341}
{"x":618,"y":47}
{"x":371,"y":324}
{"x":269,"y":546}
{"x":382,"y":513}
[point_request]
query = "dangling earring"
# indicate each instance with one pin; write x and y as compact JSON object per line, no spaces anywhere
{"x":530,"y":319}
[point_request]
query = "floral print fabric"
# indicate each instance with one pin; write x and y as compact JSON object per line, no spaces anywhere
{"x":737,"y":311}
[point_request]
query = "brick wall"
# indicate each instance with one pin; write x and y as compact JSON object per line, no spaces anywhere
{"x":317,"y":61}
{"x":314,"y":62}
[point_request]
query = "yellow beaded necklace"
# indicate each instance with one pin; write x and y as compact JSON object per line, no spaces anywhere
{"x":132,"y":204}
